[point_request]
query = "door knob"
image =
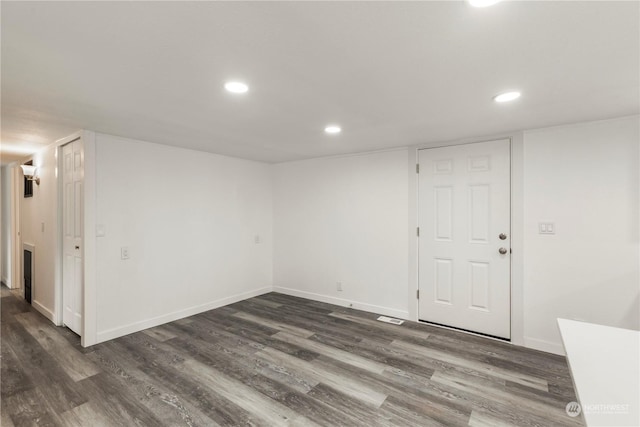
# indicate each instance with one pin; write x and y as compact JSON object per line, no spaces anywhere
{"x":502,"y":236}
{"x":502,"y":251}
{"x":77,"y":247}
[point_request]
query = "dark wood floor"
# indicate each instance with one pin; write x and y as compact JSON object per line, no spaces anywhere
{"x":274,"y":360}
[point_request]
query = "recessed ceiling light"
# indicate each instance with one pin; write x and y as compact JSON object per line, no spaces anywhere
{"x":483,"y":3}
{"x":333,"y":129}
{"x":236,"y":87}
{"x":506,"y":97}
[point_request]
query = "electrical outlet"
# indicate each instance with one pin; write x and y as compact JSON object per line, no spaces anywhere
{"x":339,"y":286}
{"x":124,"y":252}
{"x":257,"y":239}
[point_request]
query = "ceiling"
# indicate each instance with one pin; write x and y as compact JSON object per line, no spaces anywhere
{"x":390,"y":73}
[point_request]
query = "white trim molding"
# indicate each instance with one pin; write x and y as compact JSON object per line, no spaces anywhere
{"x":542,"y":345}
{"x":344,"y":303}
{"x":89,"y":257}
{"x":120,"y":331}
{"x":43,"y":310}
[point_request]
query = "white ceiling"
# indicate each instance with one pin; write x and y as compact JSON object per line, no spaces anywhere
{"x":391,"y":73}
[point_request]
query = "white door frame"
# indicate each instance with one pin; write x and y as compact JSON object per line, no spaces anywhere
{"x":89,"y":327}
{"x":16,"y":239}
{"x":517,"y":228}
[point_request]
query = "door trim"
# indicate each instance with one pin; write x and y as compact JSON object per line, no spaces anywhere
{"x":15,"y":282}
{"x":517,"y":227}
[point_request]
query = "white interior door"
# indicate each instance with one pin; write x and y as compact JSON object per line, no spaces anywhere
{"x":72,"y":217}
{"x":464,"y":237}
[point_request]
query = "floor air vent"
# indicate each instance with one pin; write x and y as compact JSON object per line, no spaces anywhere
{"x":390,"y":320}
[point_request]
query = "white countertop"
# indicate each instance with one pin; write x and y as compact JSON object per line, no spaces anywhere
{"x":605,"y":367}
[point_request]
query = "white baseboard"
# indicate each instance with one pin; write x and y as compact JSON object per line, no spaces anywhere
{"x":543,"y":345}
{"x":344,"y":303}
{"x":120,"y":331}
{"x":44,"y":310}
{"x":7,"y":282}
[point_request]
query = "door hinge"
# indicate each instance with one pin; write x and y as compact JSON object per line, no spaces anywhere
{"x":418,"y":294}
{"x":418,"y":231}
{"x":417,"y":167}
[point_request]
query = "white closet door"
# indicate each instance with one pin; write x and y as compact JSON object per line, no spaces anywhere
{"x":72,"y":193}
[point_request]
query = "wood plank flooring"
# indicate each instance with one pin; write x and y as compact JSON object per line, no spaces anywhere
{"x":270,"y":361}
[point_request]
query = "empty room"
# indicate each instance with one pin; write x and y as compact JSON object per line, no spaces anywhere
{"x":320,"y":213}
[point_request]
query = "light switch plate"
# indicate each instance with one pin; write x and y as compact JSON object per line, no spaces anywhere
{"x":546,"y":228}
{"x":124,"y":252}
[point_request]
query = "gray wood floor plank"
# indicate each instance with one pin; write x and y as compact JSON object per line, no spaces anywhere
{"x":270,"y":304}
{"x":5,"y":419}
{"x":68,"y":358}
{"x":265,"y":339}
{"x":14,"y":378}
{"x":235,"y":323}
{"x":206,"y":400}
{"x":396,"y":413}
{"x":53,"y":383}
{"x":115,"y":403}
{"x":243,"y":349}
{"x":514,"y":376}
{"x":159,"y":333}
{"x":269,"y":410}
{"x":350,"y":386}
{"x":376,"y":352}
{"x":250,"y":370}
{"x":441,"y":413}
{"x":216,"y":337}
{"x":274,"y":360}
{"x":312,"y":321}
{"x":481,"y":419}
{"x":334,"y":353}
{"x":351,"y":410}
{"x":164,"y":404}
{"x":393,"y":330}
{"x":533,"y":409}
{"x":84,"y":415}
{"x":420,"y":390}
{"x":280,"y":326}
{"x":30,"y":408}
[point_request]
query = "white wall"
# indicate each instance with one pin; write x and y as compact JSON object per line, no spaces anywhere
{"x":189,"y":220}
{"x":583,"y":177}
{"x":39,"y":222}
{"x":5,"y":225}
{"x":344,"y":219}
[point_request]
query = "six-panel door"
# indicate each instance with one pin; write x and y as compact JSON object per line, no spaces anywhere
{"x":72,"y":268}
{"x":464,"y":207}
